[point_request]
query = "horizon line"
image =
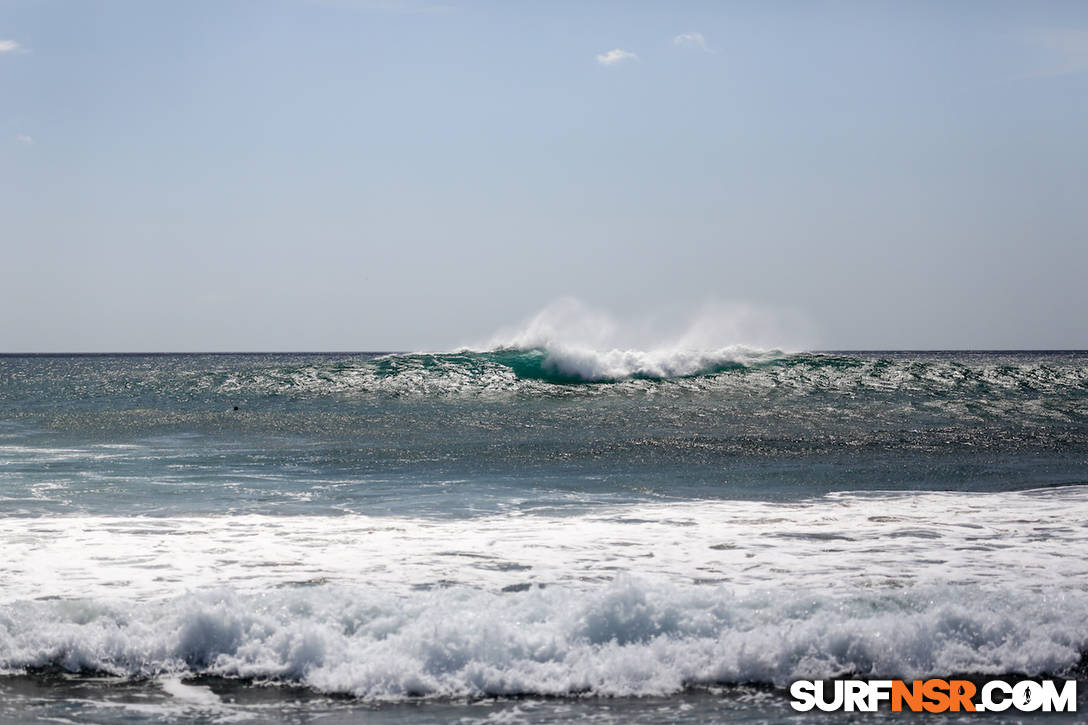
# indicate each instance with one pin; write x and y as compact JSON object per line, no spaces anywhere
{"x":167,"y":353}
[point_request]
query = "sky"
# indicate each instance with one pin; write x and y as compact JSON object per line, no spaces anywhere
{"x":407,"y":175}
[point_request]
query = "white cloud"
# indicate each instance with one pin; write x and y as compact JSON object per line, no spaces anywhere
{"x":8,"y":46}
{"x":616,"y":55}
{"x":28,"y":140}
{"x":692,"y":40}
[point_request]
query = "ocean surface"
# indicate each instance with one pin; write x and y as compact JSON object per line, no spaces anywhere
{"x":533,"y":534}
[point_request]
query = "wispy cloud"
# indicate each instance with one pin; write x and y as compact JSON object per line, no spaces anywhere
{"x":615,"y":56}
{"x":9,"y":46}
{"x":1063,"y":51}
{"x":28,"y":140}
{"x":692,"y":40}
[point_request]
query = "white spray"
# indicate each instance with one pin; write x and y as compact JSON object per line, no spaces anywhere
{"x":589,"y":344}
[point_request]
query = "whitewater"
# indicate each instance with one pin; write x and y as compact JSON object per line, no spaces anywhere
{"x":636,"y":600}
{"x":539,"y":528}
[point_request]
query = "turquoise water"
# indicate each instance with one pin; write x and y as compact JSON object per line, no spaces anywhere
{"x":601,"y":535}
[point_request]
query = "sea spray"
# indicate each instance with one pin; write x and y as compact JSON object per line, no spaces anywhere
{"x":583,"y":344}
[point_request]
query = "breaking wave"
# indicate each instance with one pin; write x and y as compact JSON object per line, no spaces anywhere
{"x":560,"y":370}
{"x":568,"y":342}
{"x":630,"y":637}
{"x":645,"y":600}
{"x":731,"y":370}
{"x":580,"y":365}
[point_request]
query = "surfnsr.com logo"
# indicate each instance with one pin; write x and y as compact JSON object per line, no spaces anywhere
{"x":934,"y":695}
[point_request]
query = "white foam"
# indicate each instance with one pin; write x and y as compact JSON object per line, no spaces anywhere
{"x":633,"y":636}
{"x":196,"y":695}
{"x":591,"y":345}
{"x":612,"y":365}
{"x":635,"y":599}
{"x":842,"y":540}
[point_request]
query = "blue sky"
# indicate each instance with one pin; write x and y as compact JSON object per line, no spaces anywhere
{"x":351,"y":175}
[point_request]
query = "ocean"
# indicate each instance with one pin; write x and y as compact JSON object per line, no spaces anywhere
{"x":533,"y":534}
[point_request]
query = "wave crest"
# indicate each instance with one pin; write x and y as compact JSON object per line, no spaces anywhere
{"x":577,"y":364}
{"x":571,"y":342}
